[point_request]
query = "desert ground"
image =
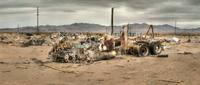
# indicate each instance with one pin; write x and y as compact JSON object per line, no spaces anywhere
{"x":31,"y":66}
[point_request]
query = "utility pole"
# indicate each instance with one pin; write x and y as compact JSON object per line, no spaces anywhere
{"x":129,"y":26}
{"x":18,"y":31}
{"x":38,"y":19}
{"x":112,"y":17}
{"x":106,"y":30}
{"x":129,"y":30}
{"x":175,"y":28}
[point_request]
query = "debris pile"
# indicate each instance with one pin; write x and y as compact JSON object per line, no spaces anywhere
{"x":92,"y":48}
{"x":33,"y":42}
{"x":29,"y":39}
{"x":4,"y":40}
{"x":8,"y":38}
{"x":37,"y":40}
{"x":79,"y":51}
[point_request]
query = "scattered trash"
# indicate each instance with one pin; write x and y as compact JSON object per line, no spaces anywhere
{"x":101,"y":79}
{"x":3,"y":63}
{"x":29,"y":39}
{"x":107,"y":73}
{"x":188,"y":53}
{"x":185,"y":53}
{"x":5,"y":71}
{"x":126,"y":77}
{"x":188,"y":41}
{"x":33,"y":42}
{"x":166,"y":47}
{"x":22,"y":67}
{"x":173,"y":39}
{"x":172,"y":81}
{"x":163,"y":55}
{"x":120,"y":66}
{"x":57,"y":69}
{"x":36,"y":61}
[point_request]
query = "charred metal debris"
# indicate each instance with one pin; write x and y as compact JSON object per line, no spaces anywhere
{"x":87,"y":48}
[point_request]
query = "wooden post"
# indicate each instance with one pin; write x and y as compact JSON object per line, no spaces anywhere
{"x":175,"y":28}
{"x":112,"y":20}
{"x":37,"y":19}
{"x":18,"y":29}
{"x":152,"y":31}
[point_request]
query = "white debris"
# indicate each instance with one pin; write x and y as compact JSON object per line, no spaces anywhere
{"x":175,"y":39}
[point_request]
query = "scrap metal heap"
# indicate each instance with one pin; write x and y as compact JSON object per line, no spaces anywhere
{"x":93,"y":48}
{"x":75,"y":50}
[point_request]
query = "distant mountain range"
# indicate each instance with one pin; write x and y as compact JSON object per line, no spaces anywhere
{"x":87,"y":27}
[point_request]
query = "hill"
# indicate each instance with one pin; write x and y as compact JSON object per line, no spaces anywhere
{"x":88,"y":27}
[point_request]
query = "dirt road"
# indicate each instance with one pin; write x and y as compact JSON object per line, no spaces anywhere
{"x":22,"y":66}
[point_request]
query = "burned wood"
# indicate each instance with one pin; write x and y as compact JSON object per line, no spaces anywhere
{"x":54,"y":68}
{"x":185,"y":53}
{"x":171,"y":81}
{"x":163,"y":55}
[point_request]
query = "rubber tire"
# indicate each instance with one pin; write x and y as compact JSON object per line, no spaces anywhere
{"x":131,"y":51}
{"x":143,"y":50}
{"x":156,"y":48}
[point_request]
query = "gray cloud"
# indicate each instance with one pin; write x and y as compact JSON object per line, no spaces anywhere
{"x":17,"y":3}
{"x":98,"y":11}
{"x":193,"y":2}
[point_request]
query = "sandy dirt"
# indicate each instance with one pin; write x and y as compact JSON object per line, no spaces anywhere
{"x":22,"y":66}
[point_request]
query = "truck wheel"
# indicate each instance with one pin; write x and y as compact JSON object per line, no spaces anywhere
{"x":143,"y":50}
{"x":131,"y":51}
{"x":156,"y":48}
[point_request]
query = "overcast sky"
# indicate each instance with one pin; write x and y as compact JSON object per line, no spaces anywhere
{"x":60,"y":12}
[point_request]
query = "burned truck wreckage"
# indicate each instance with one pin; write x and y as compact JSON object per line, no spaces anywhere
{"x":79,"y":51}
{"x":87,"y":49}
